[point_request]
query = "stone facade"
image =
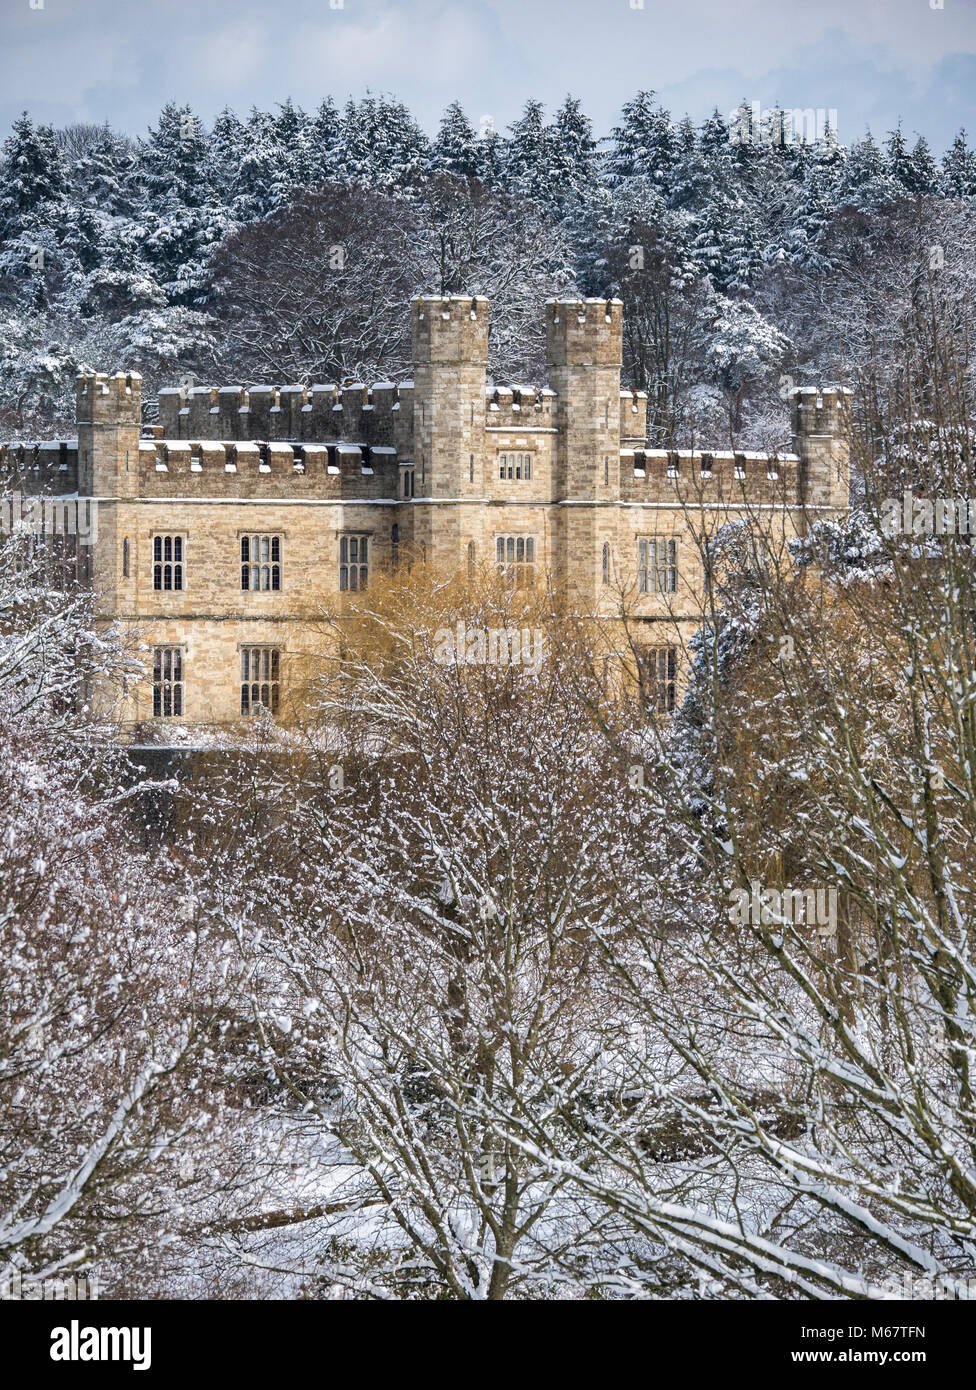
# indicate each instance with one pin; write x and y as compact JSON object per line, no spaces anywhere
{"x":442,"y":468}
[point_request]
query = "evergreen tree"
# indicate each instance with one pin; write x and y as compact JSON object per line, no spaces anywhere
{"x":325,"y":140}
{"x":259,"y":175}
{"x":105,"y":175}
{"x":383,"y":147}
{"x":866,"y":184}
{"x":491,"y":154}
{"x":899,"y":160}
{"x":923,"y":173}
{"x":688,"y":177}
{"x":291,"y":132}
{"x":178,"y":220}
{"x":645,"y":145}
{"x":714,"y":139}
{"x":33,"y":179}
{"x":571,"y":147}
{"x":804,"y":242}
{"x":404,"y":147}
{"x":226,"y":151}
{"x":958,"y":178}
{"x":528,"y":160}
{"x":728,"y":246}
{"x":171,"y":162}
{"x":455,"y":149}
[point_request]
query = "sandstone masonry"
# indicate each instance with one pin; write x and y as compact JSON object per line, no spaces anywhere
{"x":224,"y":529}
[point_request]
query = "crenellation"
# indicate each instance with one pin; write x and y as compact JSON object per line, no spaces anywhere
{"x":170,"y":405}
{"x":819,"y":410}
{"x":199,"y":403}
{"x":633,"y":415}
{"x":49,"y":467}
{"x":519,"y":407}
{"x":688,"y":477}
{"x":260,"y":400}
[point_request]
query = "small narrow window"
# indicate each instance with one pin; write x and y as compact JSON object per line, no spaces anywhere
{"x":471,"y":462}
{"x":472,"y":552}
{"x":606,"y":562}
{"x":395,"y":545}
{"x":125,"y":558}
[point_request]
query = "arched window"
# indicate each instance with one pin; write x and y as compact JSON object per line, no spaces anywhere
{"x":395,"y":545}
{"x":606,"y":562}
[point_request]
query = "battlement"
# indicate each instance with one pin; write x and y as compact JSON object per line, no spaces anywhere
{"x":691,"y":477}
{"x":450,"y":329}
{"x":269,"y":469}
{"x":47,"y":468}
{"x":822,"y":411}
{"x":382,"y":414}
{"x":110,"y":400}
{"x":633,"y":415}
{"x":520,"y":407}
{"x":584,"y":332}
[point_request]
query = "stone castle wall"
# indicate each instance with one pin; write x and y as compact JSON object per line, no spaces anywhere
{"x":414,"y":468}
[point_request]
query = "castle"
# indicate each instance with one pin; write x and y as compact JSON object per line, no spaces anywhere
{"x":224,"y":528}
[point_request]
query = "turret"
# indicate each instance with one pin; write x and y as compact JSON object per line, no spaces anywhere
{"x":109,"y":416}
{"x":821,"y":422}
{"x":450,"y":355}
{"x":584,"y":352}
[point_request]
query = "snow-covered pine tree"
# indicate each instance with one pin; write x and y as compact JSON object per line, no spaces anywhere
{"x":571,"y":153}
{"x":528,"y":156}
{"x":958,"y":177}
{"x":923,"y":171}
{"x":33,"y":179}
{"x":898,"y":158}
{"x":325,"y":143}
{"x":104,"y":175}
{"x":456,"y":148}
{"x":645,"y":144}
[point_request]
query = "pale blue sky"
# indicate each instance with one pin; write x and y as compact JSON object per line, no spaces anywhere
{"x":120,"y":60}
